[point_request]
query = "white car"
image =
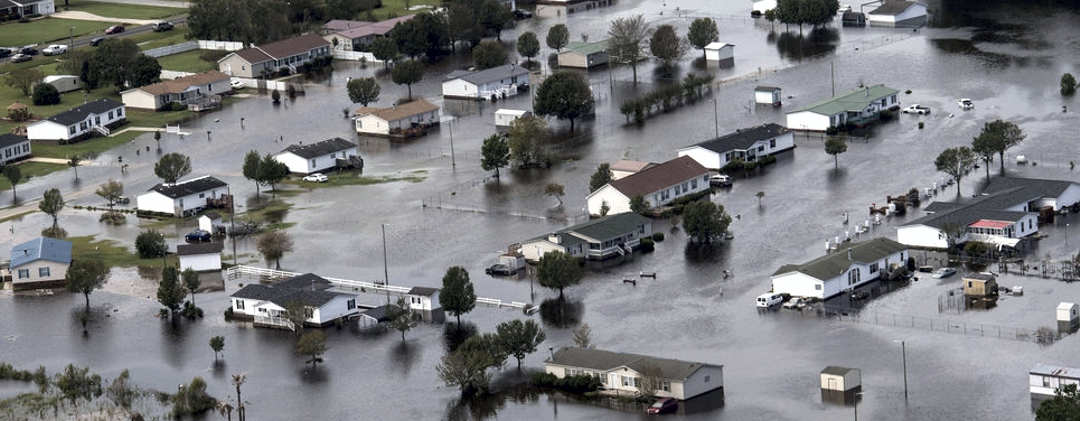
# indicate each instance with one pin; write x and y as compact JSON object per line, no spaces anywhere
{"x":237,"y":84}
{"x":54,"y":49}
{"x":916,"y":109}
{"x":316,"y":178}
{"x":965,"y":104}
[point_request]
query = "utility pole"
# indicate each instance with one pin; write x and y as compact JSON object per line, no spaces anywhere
{"x":386,"y":273}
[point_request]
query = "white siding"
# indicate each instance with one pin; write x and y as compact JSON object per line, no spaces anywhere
{"x":372,"y":124}
{"x":798,"y":285}
{"x":65,"y":83}
{"x":707,"y":158}
{"x":15,"y":151}
{"x":296,"y":163}
{"x":719,"y":53}
{"x":334,"y":309}
{"x":808,"y":120}
{"x":460,"y":88}
{"x":136,"y":98}
{"x":56,"y":270}
{"x":616,"y":201}
{"x":154,"y":202}
{"x":528,"y":249}
{"x":921,"y":236}
{"x":157,"y":202}
{"x":696,"y":384}
{"x":47,"y":130}
{"x":201,"y":262}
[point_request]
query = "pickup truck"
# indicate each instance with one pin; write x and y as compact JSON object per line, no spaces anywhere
{"x":54,"y":49}
{"x":916,"y":109}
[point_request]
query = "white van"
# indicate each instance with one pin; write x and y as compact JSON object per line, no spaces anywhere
{"x":769,"y":300}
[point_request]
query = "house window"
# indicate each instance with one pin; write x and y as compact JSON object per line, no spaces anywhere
{"x":817,"y":287}
{"x":71,"y":130}
{"x":677,"y":190}
{"x":665,"y":386}
{"x":309,"y":312}
{"x":43,"y":272}
{"x":110,"y":115}
{"x":772,"y":143}
{"x":707,"y":378}
{"x":312,"y":163}
{"x":119,"y":112}
{"x":351,"y":304}
{"x":239,"y":304}
{"x":971,"y":284}
{"x":97,"y":120}
{"x":853,"y":276}
{"x":641,"y":229}
{"x":1046,"y":381}
{"x":202,"y":195}
{"x":873,"y":268}
{"x":24,"y":273}
{"x":333,"y":155}
{"x":693,"y":184}
{"x":628,"y":381}
{"x":26,"y":147}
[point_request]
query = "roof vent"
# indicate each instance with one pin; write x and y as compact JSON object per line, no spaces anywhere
{"x":849,"y":254}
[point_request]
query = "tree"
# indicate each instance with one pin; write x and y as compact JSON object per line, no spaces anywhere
{"x":704,"y":220}
{"x":191,"y":282}
{"x":73,"y":162}
{"x":835,"y":146}
{"x":251,"y":168}
{"x":363,"y":91}
{"x":384,"y":49}
{"x":272,"y":171}
{"x":602,"y":176}
{"x":426,"y":33}
{"x":24,"y":79}
{"x":275,"y":96}
{"x":558,"y":270}
{"x":494,"y":153}
{"x":666,"y":45}
{"x":143,"y":70}
{"x":494,"y":16}
{"x":52,"y":202}
{"x":457,"y":296}
{"x":625,"y":38}
{"x":955,"y":162}
{"x":759,"y":195}
{"x":403,"y":317}
{"x":467,"y":366}
{"x":489,"y":54}
{"x":583,"y":336}
{"x":217,"y":344}
{"x":297,"y":313}
{"x":170,"y":292}
{"x":407,"y":73}
{"x":557,"y":37}
{"x":1068,"y":83}
{"x":172,"y":166}
{"x":86,"y":275}
{"x":121,"y":63}
{"x":555,"y":190}
{"x":650,"y":381}
{"x":1000,"y":135}
{"x":273,"y":245}
{"x":312,"y":345}
{"x":639,"y":205}
{"x":525,"y":139}
{"x":519,"y":338}
{"x":986,"y":146}
{"x":564,"y":95}
{"x":238,"y":380}
{"x":528,"y":45}
{"x":46,"y":94}
{"x":703,"y":31}
{"x":770,"y":15}
{"x":464,"y":22}
{"x":78,"y":384}
{"x":111,"y":191}
{"x":151,"y":243}
{"x":13,"y":175}
{"x":1064,"y":406}
{"x":120,"y":391}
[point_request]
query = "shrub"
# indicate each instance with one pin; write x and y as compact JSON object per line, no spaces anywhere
{"x":766,"y":160}
{"x":228,"y":313}
{"x":46,"y":94}
{"x":647,"y":245}
{"x":113,"y":218}
{"x":150,"y":244}
{"x":658,"y":237}
{"x":1068,"y":84}
{"x":921,"y":125}
{"x":832,"y":130}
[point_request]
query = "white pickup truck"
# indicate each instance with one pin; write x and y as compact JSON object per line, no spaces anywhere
{"x":54,"y":49}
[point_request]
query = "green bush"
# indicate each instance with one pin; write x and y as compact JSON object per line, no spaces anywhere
{"x":176,"y":106}
{"x":151,"y":243}
{"x":46,"y":94}
{"x":832,"y":130}
{"x":766,"y":160}
{"x":647,"y":245}
{"x":579,"y":384}
{"x":658,"y":237}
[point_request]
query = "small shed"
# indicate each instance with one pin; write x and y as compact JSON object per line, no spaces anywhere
{"x":840,"y":384}
{"x":426,"y":301}
{"x":853,"y":19}
{"x":1068,"y":316}
{"x":980,"y":284}
{"x":200,"y":257}
{"x":211,"y":222}
{"x":719,"y":51}
{"x":768,"y":95}
{"x":503,"y":117}
{"x":64,"y":83}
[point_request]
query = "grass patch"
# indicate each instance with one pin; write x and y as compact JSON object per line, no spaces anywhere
{"x":49,"y":30}
{"x":30,"y":170}
{"x":151,"y":40}
{"x":397,"y":8}
{"x":16,"y":216}
{"x":112,"y":253}
{"x":9,"y":95}
{"x":352,"y":178}
{"x":188,"y":61}
{"x":269,"y":216}
{"x":158,"y":119}
{"x":126,"y":11}
{"x":90,"y":147}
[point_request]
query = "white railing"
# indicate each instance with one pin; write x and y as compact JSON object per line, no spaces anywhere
{"x":355,"y":56}
{"x":194,"y":45}
{"x":275,"y":321}
{"x":220,"y":45}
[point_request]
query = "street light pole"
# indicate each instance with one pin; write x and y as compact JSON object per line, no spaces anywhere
{"x":386,"y":272}
{"x":903,"y":353}
{"x":72,"y":37}
{"x":453,"y":161}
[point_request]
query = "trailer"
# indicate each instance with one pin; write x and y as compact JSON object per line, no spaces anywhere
{"x":503,"y":117}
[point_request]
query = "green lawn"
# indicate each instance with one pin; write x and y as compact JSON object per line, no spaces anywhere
{"x":9,"y":95}
{"x":112,"y":253}
{"x":397,"y":7}
{"x":150,"y":40}
{"x":188,"y":61}
{"x":126,"y":11}
{"x":352,"y":178}
{"x":48,"y":30}
{"x":30,"y":170}
{"x":87,"y":147}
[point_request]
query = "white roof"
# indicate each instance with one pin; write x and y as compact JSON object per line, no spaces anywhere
{"x":53,"y":78}
{"x":717,"y":45}
{"x":507,"y":111}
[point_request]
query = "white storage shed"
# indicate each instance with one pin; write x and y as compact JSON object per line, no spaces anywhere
{"x":719,"y":51}
{"x":503,"y":117}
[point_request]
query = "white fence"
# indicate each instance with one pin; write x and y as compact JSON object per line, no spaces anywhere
{"x":194,"y":45}
{"x":355,"y":56}
{"x":220,"y":45}
{"x":173,"y":74}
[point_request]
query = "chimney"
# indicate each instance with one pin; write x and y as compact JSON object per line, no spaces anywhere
{"x":849,"y":253}
{"x":551,"y":352}
{"x":554,"y":238}
{"x":867,"y":91}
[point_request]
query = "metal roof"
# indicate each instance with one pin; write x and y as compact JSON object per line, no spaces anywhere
{"x":318,"y":149}
{"x":601,"y":360}
{"x":833,"y":264}
{"x":587,"y":48}
{"x":1056,"y":371}
{"x":41,"y":248}
{"x":835,"y":370}
{"x":854,"y":101}
{"x":488,"y":75}
{"x":742,"y":139}
{"x":190,"y":187}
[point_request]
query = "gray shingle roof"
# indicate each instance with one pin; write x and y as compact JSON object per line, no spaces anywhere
{"x":601,"y":360}
{"x":307,"y":281}
{"x":488,"y":75}
{"x":743,"y":138}
{"x":659,"y":177}
{"x":8,"y":139}
{"x":423,"y":291}
{"x":41,"y":248}
{"x":833,"y":264}
{"x":283,"y":296}
{"x":200,"y":248}
{"x":892,"y":8}
{"x":318,"y":149}
{"x":763,"y":88}
{"x":1043,"y":188}
{"x":978,"y":208}
{"x":600,"y":228}
{"x":837,"y":370}
{"x":80,"y":113}
{"x":189,"y":187}
{"x":380,"y":314}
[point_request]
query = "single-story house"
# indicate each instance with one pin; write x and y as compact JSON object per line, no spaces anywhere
{"x":351,"y":34}
{"x":64,"y":83}
{"x":762,"y":6}
{"x":583,"y":55}
{"x":659,"y":186}
{"x":390,"y":121}
{"x":40,"y":263}
{"x":267,"y":304}
{"x":1045,"y":380}
{"x":14,"y":9}
{"x":860,"y":105}
{"x":184,"y":197}
{"x":747,"y":145}
{"x":979,"y":284}
{"x":769,"y":95}
{"x":598,"y":239}
{"x":625,"y":167}
{"x":483,"y":84}
{"x":1058,"y":194}
{"x":621,"y":372}
{"x":318,"y":156}
{"x":719,"y":51}
{"x":425,"y":300}
{"x":851,"y":265}
{"x":851,"y":18}
{"x":183,"y":90}
{"x":13,"y":148}
{"x":275,"y":56}
{"x":560,"y":8}
{"x":200,"y":257}
{"x":73,"y":123}
{"x":503,"y":117}
{"x":898,"y":13}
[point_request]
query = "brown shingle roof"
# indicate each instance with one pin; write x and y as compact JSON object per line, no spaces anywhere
{"x":179,"y":85}
{"x":659,"y":177}
{"x":401,"y":111}
{"x":293,"y":46}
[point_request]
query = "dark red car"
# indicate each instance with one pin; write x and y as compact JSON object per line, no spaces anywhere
{"x":663,"y":406}
{"x":116,"y":29}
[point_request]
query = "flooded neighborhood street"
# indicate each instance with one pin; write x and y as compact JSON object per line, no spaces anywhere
{"x":440,"y":209}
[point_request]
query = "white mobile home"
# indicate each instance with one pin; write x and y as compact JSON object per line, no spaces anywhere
{"x":659,"y":186}
{"x":1045,"y":380}
{"x":898,"y":13}
{"x":64,"y":83}
{"x":266,"y":304}
{"x":183,"y":197}
{"x":621,"y":373}
{"x":397,"y":120}
{"x":94,"y":116}
{"x":13,"y":148}
{"x":859,"y":106}
{"x":484,"y":84}
{"x":503,"y":117}
{"x":318,"y":156}
{"x":851,"y":265}
{"x":599,"y":239}
{"x":40,"y":263}
{"x":746,"y":145}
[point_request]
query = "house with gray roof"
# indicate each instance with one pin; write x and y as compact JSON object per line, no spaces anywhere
{"x":624,"y":373}
{"x":659,"y":186}
{"x":1045,"y":380}
{"x":318,"y":156}
{"x":859,"y":106}
{"x":898,"y":13}
{"x":500,"y":81}
{"x":184,"y":197}
{"x":263,"y":59}
{"x":583,"y":55}
{"x":80,"y":121}
{"x":267,"y":305}
{"x":40,"y":263}
{"x":599,"y":239}
{"x":847,"y":268}
{"x":13,"y":148}
{"x":746,"y":145}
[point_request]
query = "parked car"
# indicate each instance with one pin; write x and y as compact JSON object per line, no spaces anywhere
{"x":94,"y":42}
{"x":123,"y":200}
{"x":162,"y":26}
{"x":115,"y":29}
{"x":4,"y":52}
{"x":944,"y":273}
{"x":54,"y":49}
{"x":663,"y":406}
{"x":522,"y":14}
{"x":795,"y":303}
{"x":236,"y":84}
{"x":19,"y":58}
{"x":197,"y":236}
{"x":500,"y":270}
{"x":316,"y":178}
{"x":916,"y":109}
{"x":720,"y":180}
{"x":965,"y":104}
{"x":769,"y":300}
{"x":30,"y":51}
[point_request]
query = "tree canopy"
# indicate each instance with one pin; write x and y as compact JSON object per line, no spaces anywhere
{"x":271,"y":171}
{"x":24,"y":79}
{"x":996,"y":137}
{"x":806,"y":12}
{"x":312,"y":345}
{"x":52,"y":202}
{"x":273,"y":246}
{"x":564,"y":95}
{"x":13,"y":175}
{"x":704,"y":220}
{"x":86,"y":275}
{"x":407,"y":73}
{"x":457,"y":296}
{"x":625,"y":40}
{"x":251,"y":168}
{"x":384,"y":49}
{"x":835,"y":146}
{"x":558,"y":270}
{"x":111,"y":191}
{"x":666,"y":45}
{"x":955,"y":162}
{"x":519,"y":338}
{"x":172,"y":166}
{"x":426,"y":33}
{"x":489,"y":54}
{"x":1064,"y":406}
{"x":703,"y":31}
{"x":602,"y":176}
{"x":494,"y":153}
{"x":403,"y":317}
{"x":528,"y":45}
{"x":558,"y":36}
{"x":170,"y":292}
{"x":525,"y":139}
{"x":363,"y":90}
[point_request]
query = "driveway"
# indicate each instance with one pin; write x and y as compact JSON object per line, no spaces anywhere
{"x":74,"y":14}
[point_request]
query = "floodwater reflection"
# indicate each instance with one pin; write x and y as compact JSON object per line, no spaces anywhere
{"x":560,"y":313}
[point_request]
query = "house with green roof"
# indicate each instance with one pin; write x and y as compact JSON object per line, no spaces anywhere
{"x":855,"y":107}
{"x":623,"y":373}
{"x":599,"y":239}
{"x":850,"y":266}
{"x":584,"y":55}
